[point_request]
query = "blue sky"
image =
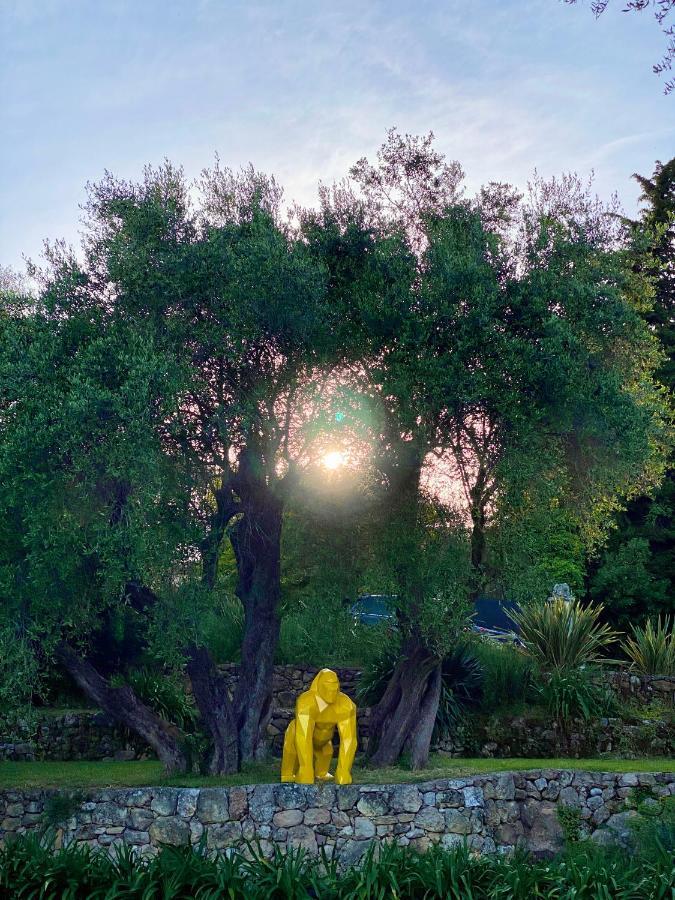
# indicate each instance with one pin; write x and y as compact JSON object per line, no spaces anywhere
{"x":302,"y":88}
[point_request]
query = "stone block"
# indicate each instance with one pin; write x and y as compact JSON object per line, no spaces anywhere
{"x":140,"y":819}
{"x":287,"y":817}
{"x":186,"y":805}
{"x":458,"y":821}
{"x":164,"y":801}
{"x":169,"y":830}
{"x":136,"y":838}
{"x":261,"y":803}
{"x":221,"y":836}
{"x":405,"y":798}
{"x":430,"y":818}
{"x":317,"y":816}
{"x":212,"y":807}
{"x":363,"y":828}
{"x":373,"y":804}
{"x":473,"y":796}
{"x":300,"y":836}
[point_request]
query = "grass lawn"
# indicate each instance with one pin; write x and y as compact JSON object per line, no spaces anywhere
{"x":142,"y":774}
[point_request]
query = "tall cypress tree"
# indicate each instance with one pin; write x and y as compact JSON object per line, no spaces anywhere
{"x":635,"y":575}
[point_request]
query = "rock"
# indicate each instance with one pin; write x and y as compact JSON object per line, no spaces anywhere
{"x":317,"y":816}
{"x":136,"y":798}
{"x":449,"y":799}
{"x":220,"y":836}
{"x":212,"y":806}
{"x":363,"y":827}
{"x":196,"y":831}
{"x":545,"y":836}
{"x":186,"y":805}
{"x":261,"y":803}
{"x":473,"y":796}
{"x":287,"y":817}
{"x":290,"y":796}
{"x":450,"y":841}
{"x":457,"y":821}
{"x":300,"y":836}
{"x":170,"y":830}
{"x":141,"y":819}
{"x":430,"y":818}
{"x":164,"y":801}
{"x":405,"y":798}
{"x":109,"y":814}
{"x":351,"y":852}
{"x":238,"y":803}
{"x":373,"y":804}
{"x":629,"y":780}
{"x":136,"y":838}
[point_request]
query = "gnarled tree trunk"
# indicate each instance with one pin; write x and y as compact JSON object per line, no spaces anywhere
{"x":124,"y":706}
{"x":256,"y":539}
{"x":210,"y":693}
{"x":404,"y":718}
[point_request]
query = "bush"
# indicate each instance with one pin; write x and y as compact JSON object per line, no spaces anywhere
{"x":223,"y":629}
{"x":562,"y":634}
{"x":571,"y":693}
{"x":508,"y":676}
{"x":651,"y":649}
{"x":30,"y":868}
{"x":326,"y":634}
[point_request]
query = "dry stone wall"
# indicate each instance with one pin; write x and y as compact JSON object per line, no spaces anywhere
{"x":94,"y":735}
{"x":492,"y":813}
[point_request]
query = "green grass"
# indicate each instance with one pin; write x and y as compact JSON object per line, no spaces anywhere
{"x":141,"y":774}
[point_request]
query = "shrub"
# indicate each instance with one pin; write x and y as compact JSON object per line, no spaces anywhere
{"x":61,"y":806}
{"x":562,"y":634}
{"x":30,"y":868}
{"x":508,"y":675}
{"x":223,"y":629}
{"x":651,"y":649}
{"x":326,"y":634}
{"x":571,"y":693}
{"x":570,"y":822}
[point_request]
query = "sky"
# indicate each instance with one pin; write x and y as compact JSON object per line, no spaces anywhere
{"x":303,"y":88}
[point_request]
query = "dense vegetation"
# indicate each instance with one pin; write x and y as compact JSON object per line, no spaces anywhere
{"x":29,"y":868}
{"x":486,"y":367}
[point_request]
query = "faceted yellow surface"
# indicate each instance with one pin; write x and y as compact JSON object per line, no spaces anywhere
{"x":308,"y":742}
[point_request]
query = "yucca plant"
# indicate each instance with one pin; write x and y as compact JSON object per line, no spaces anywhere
{"x":651,"y":649}
{"x":562,"y":634}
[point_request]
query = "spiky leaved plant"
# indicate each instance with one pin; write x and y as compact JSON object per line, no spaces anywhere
{"x":562,"y":634}
{"x":651,"y":649}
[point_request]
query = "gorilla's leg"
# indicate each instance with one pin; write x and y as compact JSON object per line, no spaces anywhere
{"x":322,"y":757}
{"x":289,"y":759}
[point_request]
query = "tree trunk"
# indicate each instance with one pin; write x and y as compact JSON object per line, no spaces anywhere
{"x":226,"y":508}
{"x":210,"y":693}
{"x":256,"y":540}
{"x":124,"y":706}
{"x":406,"y":713}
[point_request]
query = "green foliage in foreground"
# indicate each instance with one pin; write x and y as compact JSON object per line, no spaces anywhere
{"x":30,"y":868}
{"x":82,"y":774}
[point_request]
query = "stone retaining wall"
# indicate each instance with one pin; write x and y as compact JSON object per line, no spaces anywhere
{"x":94,"y":735}
{"x":520,"y":736}
{"x":491,"y":812}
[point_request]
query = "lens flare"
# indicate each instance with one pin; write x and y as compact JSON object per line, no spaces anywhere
{"x":334,"y":460}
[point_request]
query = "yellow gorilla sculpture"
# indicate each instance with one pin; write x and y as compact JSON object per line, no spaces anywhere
{"x":308,"y":742}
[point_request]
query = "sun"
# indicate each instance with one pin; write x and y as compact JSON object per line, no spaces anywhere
{"x":334,"y":459}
